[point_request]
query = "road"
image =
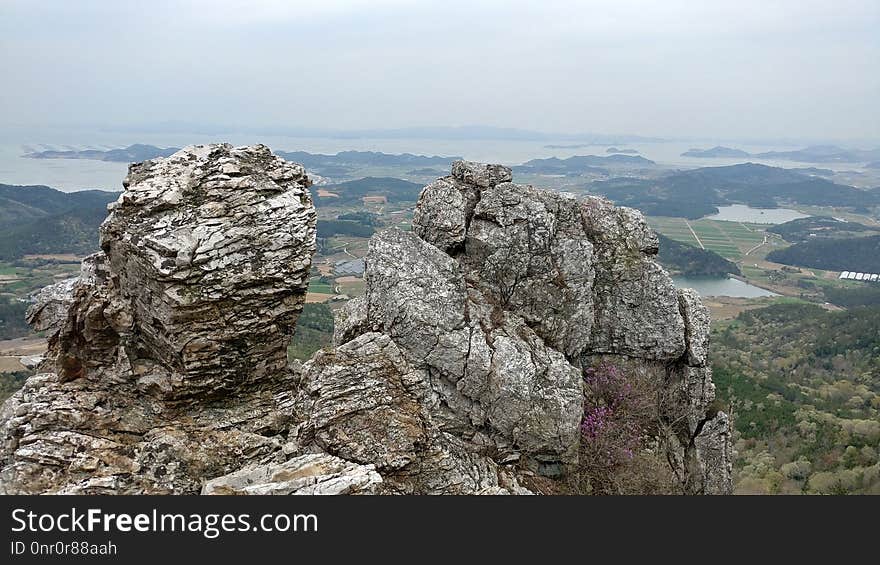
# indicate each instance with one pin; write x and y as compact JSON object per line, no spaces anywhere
{"x":688,"y":224}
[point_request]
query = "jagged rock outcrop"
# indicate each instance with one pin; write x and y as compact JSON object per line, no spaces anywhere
{"x":486,"y":314}
{"x":167,"y":356}
{"x":460,"y":369}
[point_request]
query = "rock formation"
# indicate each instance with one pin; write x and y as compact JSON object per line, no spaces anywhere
{"x":460,"y":370}
{"x":167,"y":356}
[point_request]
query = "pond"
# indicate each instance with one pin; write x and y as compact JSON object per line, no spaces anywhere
{"x":740,"y":213}
{"x":720,"y":286}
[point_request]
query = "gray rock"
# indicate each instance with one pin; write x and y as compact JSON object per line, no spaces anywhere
{"x":441,"y":216}
{"x":366,"y":403}
{"x":491,"y":305}
{"x":714,"y":456}
{"x":696,"y":324}
{"x":306,"y":474}
{"x":51,"y":304}
{"x":480,"y":175}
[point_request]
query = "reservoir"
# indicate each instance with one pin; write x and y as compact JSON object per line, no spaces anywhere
{"x":740,"y":213}
{"x":719,"y":286}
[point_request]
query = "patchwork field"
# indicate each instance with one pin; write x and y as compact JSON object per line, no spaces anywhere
{"x":731,"y":240}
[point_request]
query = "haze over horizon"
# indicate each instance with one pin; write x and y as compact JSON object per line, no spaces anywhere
{"x":723,"y":70}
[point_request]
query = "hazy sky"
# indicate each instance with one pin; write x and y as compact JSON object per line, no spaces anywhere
{"x":714,"y":68}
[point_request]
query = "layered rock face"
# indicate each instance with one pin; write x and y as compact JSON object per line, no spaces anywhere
{"x":460,"y":370}
{"x":167,"y":356}
{"x":211,"y":251}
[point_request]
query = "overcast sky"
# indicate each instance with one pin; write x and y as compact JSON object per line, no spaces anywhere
{"x":713,"y":68}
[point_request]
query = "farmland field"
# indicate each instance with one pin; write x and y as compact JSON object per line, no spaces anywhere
{"x":731,"y":240}
{"x":318,"y":286}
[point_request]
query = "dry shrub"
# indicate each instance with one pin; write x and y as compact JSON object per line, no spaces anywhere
{"x":619,"y":449}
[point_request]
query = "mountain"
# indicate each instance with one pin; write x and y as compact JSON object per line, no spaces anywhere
{"x":42,"y":220}
{"x":698,"y":192}
{"x":823,"y":154}
{"x":858,"y":254}
{"x":688,"y":260}
{"x":132,"y":154}
{"x":581,"y":164}
{"x":716,"y":152}
{"x":626,"y":151}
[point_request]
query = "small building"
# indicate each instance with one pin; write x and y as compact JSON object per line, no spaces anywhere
{"x":844,"y":275}
{"x":875,"y":277}
{"x":860,"y":276}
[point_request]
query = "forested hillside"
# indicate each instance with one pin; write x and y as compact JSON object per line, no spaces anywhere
{"x":42,"y":220}
{"x":803,"y":386}
{"x":860,"y":254}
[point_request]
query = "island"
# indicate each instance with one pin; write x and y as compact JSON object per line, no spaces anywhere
{"x":131,"y":154}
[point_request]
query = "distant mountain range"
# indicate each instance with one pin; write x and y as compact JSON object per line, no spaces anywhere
{"x":814,"y":171}
{"x":824,"y":154}
{"x":699,"y":192}
{"x":812,"y":154}
{"x":42,"y":220}
{"x":616,"y":150}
